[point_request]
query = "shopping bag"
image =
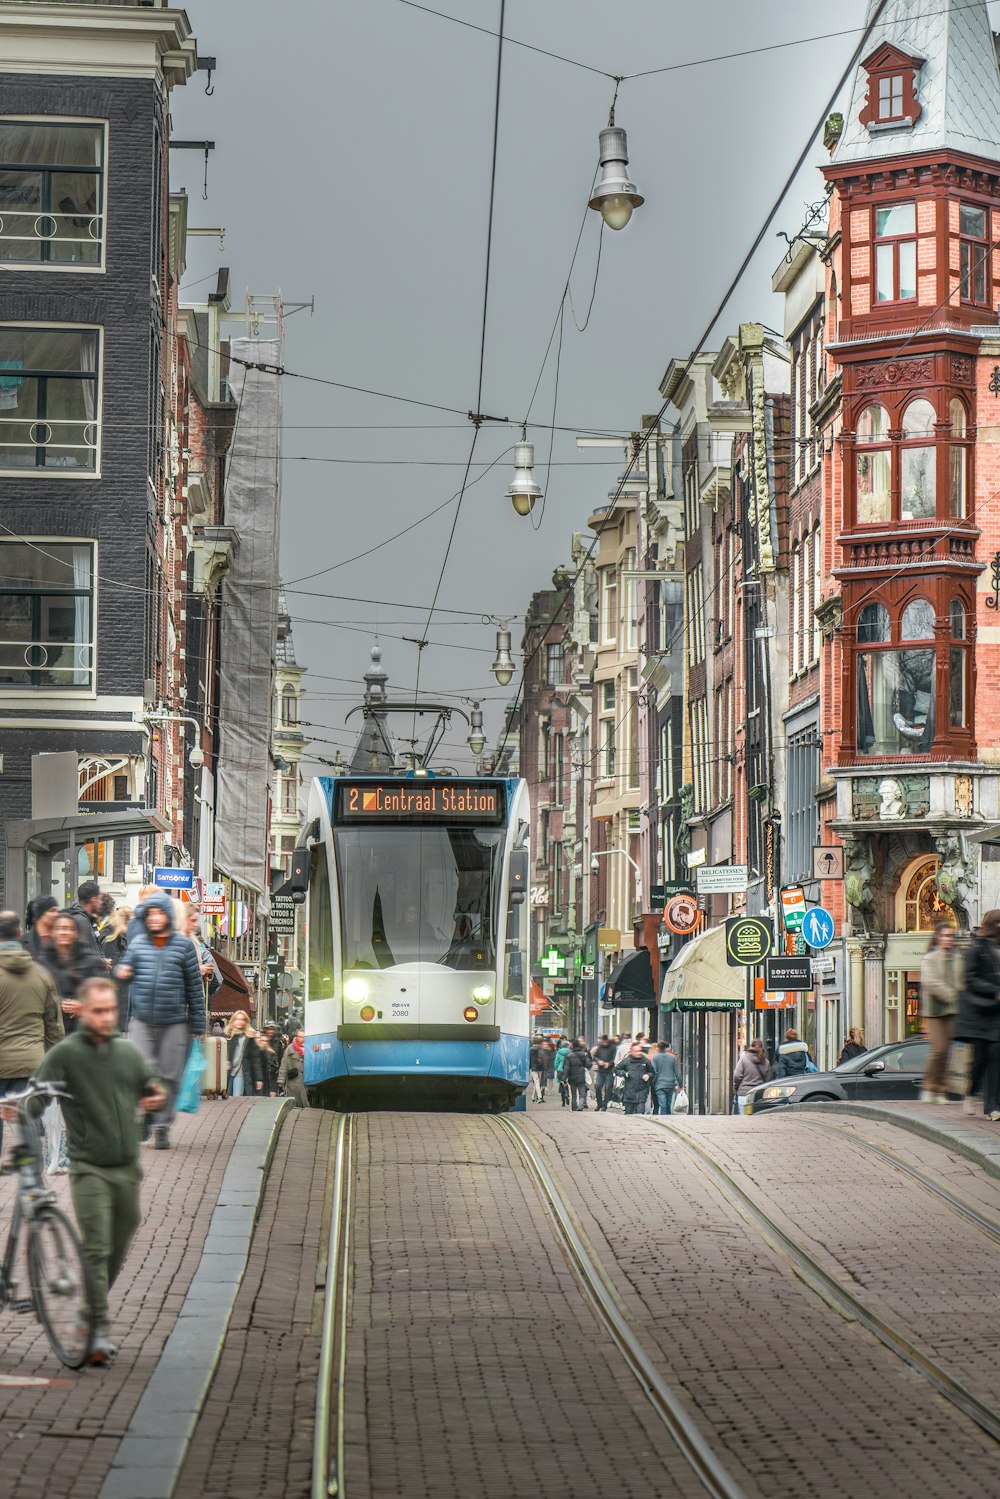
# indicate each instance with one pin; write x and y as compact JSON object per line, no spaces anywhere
{"x":189,"y":1092}
{"x":681,"y":1104}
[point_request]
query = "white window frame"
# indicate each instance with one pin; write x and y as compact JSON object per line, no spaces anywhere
{"x":46,"y":266}
{"x":76,"y":475}
{"x":16,"y":694}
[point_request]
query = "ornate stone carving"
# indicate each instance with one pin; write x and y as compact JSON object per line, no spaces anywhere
{"x":870,"y":376}
{"x":891,"y":798}
{"x":955,"y":878}
{"x":964,"y":796}
{"x":961,"y":368}
{"x":859,"y":873}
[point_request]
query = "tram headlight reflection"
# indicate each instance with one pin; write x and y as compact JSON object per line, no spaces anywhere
{"x":482,"y":994}
{"x":356,"y":990}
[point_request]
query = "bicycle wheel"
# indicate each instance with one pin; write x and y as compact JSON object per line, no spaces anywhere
{"x":60,"y":1285}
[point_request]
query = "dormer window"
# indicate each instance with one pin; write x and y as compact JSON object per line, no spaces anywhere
{"x":891,"y":103}
{"x":890,"y":97}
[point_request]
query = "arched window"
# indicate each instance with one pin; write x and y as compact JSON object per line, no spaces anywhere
{"x":958,"y":460}
{"x":873,"y":625}
{"x":917,"y":622}
{"x":918,"y":467}
{"x":922,"y":905}
{"x":289,"y":707}
{"x":874,"y":466}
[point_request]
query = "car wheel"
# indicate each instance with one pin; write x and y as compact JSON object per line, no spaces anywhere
{"x":822,"y":1098}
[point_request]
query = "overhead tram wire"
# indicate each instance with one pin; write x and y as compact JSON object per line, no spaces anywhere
{"x":476,"y":417}
{"x":643,"y":439}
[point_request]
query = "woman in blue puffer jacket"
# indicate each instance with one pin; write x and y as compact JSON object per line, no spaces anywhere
{"x":166,"y":999}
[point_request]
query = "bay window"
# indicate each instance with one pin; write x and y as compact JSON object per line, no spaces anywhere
{"x":974,"y":251}
{"x":874,"y":466}
{"x":958,"y":666}
{"x":52,"y":193}
{"x":49,"y":398}
{"x":958,"y":461}
{"x":912,"y":464}
{"x":46,"y":615}
{"x":918,"y":478}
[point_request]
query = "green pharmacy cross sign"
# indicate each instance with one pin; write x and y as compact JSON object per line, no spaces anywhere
{"x":553,"y":962}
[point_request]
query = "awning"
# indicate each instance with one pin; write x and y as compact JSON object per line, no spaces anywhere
{"x":233,"y":992}
{"x":699,"y":978}
{"x":632,"y":981}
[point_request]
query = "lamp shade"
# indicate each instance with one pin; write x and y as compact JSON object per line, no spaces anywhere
{"x":615,"y":195}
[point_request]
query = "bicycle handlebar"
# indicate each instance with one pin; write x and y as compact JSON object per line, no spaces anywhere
{"x":36,"y":1089}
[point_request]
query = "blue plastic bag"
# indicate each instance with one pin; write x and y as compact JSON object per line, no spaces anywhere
{"x":811,"y":1065}
{"x":189,"y":1092}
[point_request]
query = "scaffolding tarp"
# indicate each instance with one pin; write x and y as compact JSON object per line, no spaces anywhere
{"x":249,"y":618}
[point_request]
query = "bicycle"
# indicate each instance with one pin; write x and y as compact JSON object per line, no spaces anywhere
{"x":58,"y":1274}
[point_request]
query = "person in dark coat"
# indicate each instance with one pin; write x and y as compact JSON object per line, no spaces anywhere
{"x":69,"y":960}
{"x":793,"y":1056}
{"x":539,"y":1061}
{"x":246,"y":1070}
{"x":576,"y":1064}
{"x":604,"y":1072}
{"x":86,"y":911}
{"x":978,"y":1019}
{"x":853,"y":1047}
{"x":637,"y":1070}
{"x":42,"y":912}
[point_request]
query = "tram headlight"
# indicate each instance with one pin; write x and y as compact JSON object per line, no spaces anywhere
{"x":471,"y":1013}
{"x":368,"y":1013}
{"x":356,"y":990}
{"x":482,"y":994}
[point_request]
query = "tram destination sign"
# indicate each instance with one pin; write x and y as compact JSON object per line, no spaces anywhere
{"x":420,"y":800}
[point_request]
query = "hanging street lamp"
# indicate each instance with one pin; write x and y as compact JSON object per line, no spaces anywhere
{"x":524,"y":491}
{"x":477,"y":739}
{"x":615,"y":196}
{"x":503,"y":666}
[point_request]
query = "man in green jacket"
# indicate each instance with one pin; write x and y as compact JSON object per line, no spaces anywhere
{"x":30,"y":1014}
{"x":106,"y":1078}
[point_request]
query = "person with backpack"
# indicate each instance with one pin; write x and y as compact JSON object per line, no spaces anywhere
{"x":752,"y":1069}
{"x":561,"y":1054}
{"x":793,"y":1056}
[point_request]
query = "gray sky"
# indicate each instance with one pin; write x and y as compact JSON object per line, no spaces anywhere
{"x":352,"y":163}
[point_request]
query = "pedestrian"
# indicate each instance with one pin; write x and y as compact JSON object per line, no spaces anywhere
{"x":146,"y":892}
{"x":666,"y":1077}
{"x":105,"y":912}
{"x":576,"y":1064}
{"x":268,"y":1065}
{"x":750,"y":1071}
{"x":793,"y":1056}
{"x":275,"y":1040}
{"x":538,"y":1066}
{"x":70,"y":960}
{"x":217,"y":1029}
{"x":191,"y":927}
{"x":604,"y":1072}
{"x":940,"y":987}
{"x":105,"y":1078}
{"x":292,"y":1071}
{"x":853,"y":1047}
{"x":114,"y":945}
{"x":246,"y":1078}
{"x":86,"y":912}
{"x":38,"y":928}
{"x":30,"y":1015}
{"x":560,"y":1057}
{"x":978,"y":1018}
{"x":622,"y":1045}
{"x":637,"y":1071}
{"x":166,"y":1001}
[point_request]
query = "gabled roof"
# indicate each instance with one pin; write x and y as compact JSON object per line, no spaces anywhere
{"x":958,"y":86}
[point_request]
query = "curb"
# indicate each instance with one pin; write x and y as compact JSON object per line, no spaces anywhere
{"x":152,"y":1451}
{"x":964,"y":1142}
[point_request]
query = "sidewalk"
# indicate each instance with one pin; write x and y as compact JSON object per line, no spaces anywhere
{"x":969,"y":1135}
{"x":63,"y":1432}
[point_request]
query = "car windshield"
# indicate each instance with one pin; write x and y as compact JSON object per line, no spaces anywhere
{"x":418,"y":894}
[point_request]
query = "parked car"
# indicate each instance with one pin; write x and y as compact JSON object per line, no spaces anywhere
{"x":886,"y":1072}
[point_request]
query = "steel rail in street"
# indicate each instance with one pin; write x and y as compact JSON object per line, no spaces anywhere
{"x":987,"y":1222}
{"x":834,"y":1292}
{"x":328,"y":1429}
{"x":595,"y":1286}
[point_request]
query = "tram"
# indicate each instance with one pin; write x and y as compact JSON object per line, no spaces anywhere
{"x":417,"y":970}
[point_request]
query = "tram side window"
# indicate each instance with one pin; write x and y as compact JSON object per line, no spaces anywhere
{"x":516,"y":950}
{"x":320,"y":931}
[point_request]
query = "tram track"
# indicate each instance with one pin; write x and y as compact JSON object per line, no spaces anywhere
{"x":600,"y":1295}
{"x":328,"y":1428}
{"x":834,"y":1291}
{"x":988,"y":1223}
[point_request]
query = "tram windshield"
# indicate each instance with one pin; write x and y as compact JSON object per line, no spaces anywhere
{"x":419,"y":895}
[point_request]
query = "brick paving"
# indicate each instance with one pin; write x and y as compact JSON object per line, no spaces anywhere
{"x":254,"y":1437}
{"x":798,"y":1398}
{"x":60,"y":1440}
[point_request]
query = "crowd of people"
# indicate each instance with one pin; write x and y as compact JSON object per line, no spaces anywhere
{"x":634,"y":1074}
{"x":107,"y":1001}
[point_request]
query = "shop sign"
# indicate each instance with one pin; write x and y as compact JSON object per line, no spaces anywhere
{"x":657,"y":897}
{"x":766,"y":999}
{"x":588,"y":971}
{"x":722,"y":879}
{"x":793,"y":907}
{"x":561,"y":991}
{"x":682,"y":914}
{"x":695,"y":857}
{"x":769,"y":860}
{"x":609,"y":939}
{"x":703,"y":1004}
{"x":828,"y":862}
{"x":748,"y":941}
{"x":788,"y":973}
{"x":213,"y":901}
{"x":168,"y":878}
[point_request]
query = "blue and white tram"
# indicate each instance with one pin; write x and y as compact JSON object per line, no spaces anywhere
{"x":417,"y":971}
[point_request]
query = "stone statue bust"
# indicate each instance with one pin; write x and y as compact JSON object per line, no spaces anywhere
{"x":892,"y":804}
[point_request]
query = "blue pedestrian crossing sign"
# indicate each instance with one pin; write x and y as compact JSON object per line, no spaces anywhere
{"x":817,"y":927}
